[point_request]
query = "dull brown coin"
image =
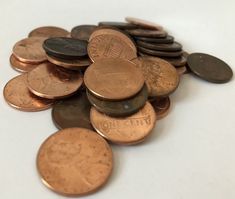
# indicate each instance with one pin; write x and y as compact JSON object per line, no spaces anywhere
{"x":147,"y":33}
{"x":159,"y":53}
{"x":177,"y":61}
{"x":181,"y":70}
{"x":127,"y":130}
{"x":113,"y":79}
{"x":120,"y":25}
{"x":18,"y":96}
{"x":162,"y":47}
{"x":165,"y":40}
{"x":72,"y":112}
{"x":161,"y":107}
{"x":74,"y":162}
{"x":50,"y":81}
{"x":143,"y":23}
{"x":83,"y":32}
{"x":160,"y":76}
{"x":49,"y":31}
{"x":30,"y":50}
{"x":21,"y":66}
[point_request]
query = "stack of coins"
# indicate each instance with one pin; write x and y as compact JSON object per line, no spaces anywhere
{"x":103,"y":86}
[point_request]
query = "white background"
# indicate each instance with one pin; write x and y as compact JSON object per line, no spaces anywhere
{"x":190,"y":154}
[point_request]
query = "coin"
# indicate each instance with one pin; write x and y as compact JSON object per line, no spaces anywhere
{"x":164,"y":40}
{"x":50,"y":81}
{"x":147,"y":33}
{"x":65,"y":48}
{"x":143,"y":23}
{"x":161,"y":107}
{"x":74,"y":162}
{"x":83,"y":32}
{"x":49,"y":31}
{"x":160,"y":53}
{"x":181,"y":70}
{"x":79,"y":64}
{"x":30,"y":50}
{"x":120,"y":108}
{"x":21,"y":66}
{"x":160,"y":76}
{"x":127,"y":130}
{"x":72,"y":112}
{"x":176,"y":61}
{"x":162,"y":47}
{"x":113,"y":79}
{"x":18,"y":96}
{"x":209,"y":68}
{"x":120,"y":25}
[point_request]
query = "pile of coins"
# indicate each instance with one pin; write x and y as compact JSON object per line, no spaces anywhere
{"x":107,"y":84}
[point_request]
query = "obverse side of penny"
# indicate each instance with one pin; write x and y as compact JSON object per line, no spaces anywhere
{"x":160,"y":53}
{"x":18,"y":96}
{"x":49,"y":31}
{"x":120,"y":25}
{"x":65,"y":48}
{"x":50,"y":81}
{"x":74,"y":162}
{"x":72,"y":112}
{"x":143,"y":23}
{"x":83,"y":32}
{"x":113,"y":79}
{"x":162,"y":47}
{"x":209,"y":68}
{"x":30,"y":50}
{"x":120,"y":108}
{"x":165,"y":40}
{"x":161,"y":77}
{"x":147,"y":33}
{"x":161,"y":107}
{"x":21,"y":66}
{"x":127,"y":130}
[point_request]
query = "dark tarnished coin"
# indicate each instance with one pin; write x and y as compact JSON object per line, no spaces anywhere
{"x":147,"y":33}
{"x":161,"y":107}
{"x":160,"y":53}
{"x":143,"y":23}
{"x":165,"y":40}
{"x":119,"y":25}
{"x":120,"y":108}
{"x":83,"y":32}
{"x":209,"y":68}
{"x":177,"y":61}
{"x":49,"y":31}
{"x":162,"y":47}
{"x":65,"y":48}
{"x":72,"y":112}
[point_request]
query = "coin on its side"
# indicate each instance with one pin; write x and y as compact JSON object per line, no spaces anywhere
{"x":18,"y":96}
{"x":53,"y":82}
{"x":175,"y":46}
{"x":83,"y":32}
{"x":120,"y":25}
{"x":143,"y":23}
{"x":165,"y":40}
{"x":161,"y":107}
{"x":74,"y":162}
{"x":126,"y":130}
{"x":181,"y":70}
{"x":147,"y":33}
{"x":49,"y":31}
{"x":159,"y":53}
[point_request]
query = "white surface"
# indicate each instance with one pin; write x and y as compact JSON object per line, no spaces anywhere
{"x":190,"y":155}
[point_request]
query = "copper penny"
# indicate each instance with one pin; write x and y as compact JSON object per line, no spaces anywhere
{"x":30,"y":50}
{"x":127,"y":130}
{"x":143,"y":23}
{"x":161,"y":107}
{"x":177,"y":61}
{"x":74,"y":162}
{"x":18,"y":96}
{"x":72,"y":112}
{"x":21,"y":66}
{"x":161,"y":77}
{"x":113,"y":79}
{"x":78,"y":64}
{"x":147,"y":33}
{"x":50,"y":81}
{"x":83,"y":32}
{"x":181,"y":70}
{"x":175,"y":46}
{"x":165,"y":40}
{"x":159,"y":53}
{"x":49,"y":31}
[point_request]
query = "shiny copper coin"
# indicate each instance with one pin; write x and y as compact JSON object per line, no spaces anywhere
{"x":161,"y":77}
{"x":18,"y":96}
{"x":74,"y":162}
{"x":49,"y":31}
{"x":165,"y":40}
{"x":21,"y":66}
{"x":83,"y":32}
{"x":147,"y":33}
{"x":181,"y":70}
{"x":162,"y":47}
{"x":161,"y":107}
{"x":120,"y":25}
{"x":30,"y":50}
{"x":50,"y":81}
{"x":160,"y":53}
{"x":113,"y":79}
{"x":127,"y":130}
{"x":143,"y":23}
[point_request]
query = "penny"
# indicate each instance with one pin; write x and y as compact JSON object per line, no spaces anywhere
{"x":161,"y":47}
{"x":18,"y":96}
{"x":127,"y":130}
{"x":181,"y":70}
{"x":83,"y":32}
{"x":209,"y":68}
{"x":160,"y":53}
{"x":161,"y":107}
{"x":30,"y":50}
{"x":113,"y":79}
{"x":143,"y":23}
{"x":21,"y":66}
{"x":50,"y":81}
{"x":120,"y":108}
{"x":72,"y":112}
{"x":177,"y":61}
{"x":74,"y":162}
{"x":78,"y":64}
{"x":147,"y":33}
{"x":49,"y":31}
{"x":65,"y":48}
{"x":165,"y":40}
{"x":160,"y":76}
{"x":120,"y":25}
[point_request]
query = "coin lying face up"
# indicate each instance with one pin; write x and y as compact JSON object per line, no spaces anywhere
{"x":83,"y":32}
{"x":49,"y":31}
